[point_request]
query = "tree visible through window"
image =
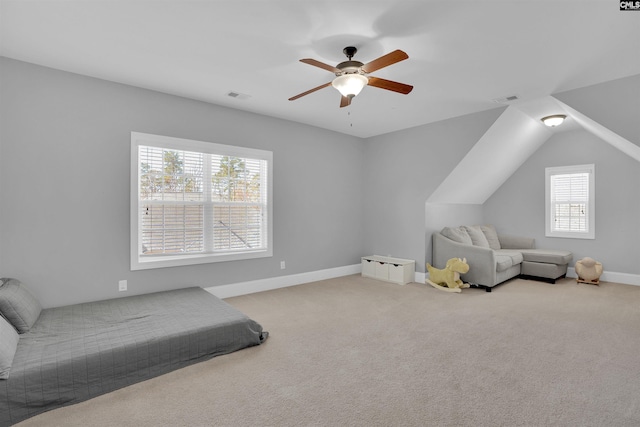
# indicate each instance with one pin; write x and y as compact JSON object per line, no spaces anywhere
{"x":199,"y":203}
{"x":238,"y":208}
{"x":171,"y":196}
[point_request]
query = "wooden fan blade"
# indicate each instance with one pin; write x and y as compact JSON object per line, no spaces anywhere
{"x":390,"y":85}
{"x":345,"y":101}
{"x":384,"y":61}
{"x":293,"y":98}
{"x":320,"y":65}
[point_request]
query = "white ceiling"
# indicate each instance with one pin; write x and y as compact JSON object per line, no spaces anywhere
{"x":462,"y":54}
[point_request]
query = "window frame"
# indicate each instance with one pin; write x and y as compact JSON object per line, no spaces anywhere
{"x":590,"y":233}
{"x":139,"y":262}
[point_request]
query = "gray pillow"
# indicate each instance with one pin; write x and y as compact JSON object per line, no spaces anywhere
{"x":492,"y":236}
{"x":17,"y":305}
{"x":8,"y":345}
{"x":457,"y":234}
{"x":477,"y":236}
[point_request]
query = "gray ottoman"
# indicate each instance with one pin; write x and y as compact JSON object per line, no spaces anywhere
{"x":544,"y":264}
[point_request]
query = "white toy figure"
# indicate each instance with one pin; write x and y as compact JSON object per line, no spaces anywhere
{"x":588,"y":270}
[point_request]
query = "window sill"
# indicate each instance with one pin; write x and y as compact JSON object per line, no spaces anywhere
{"x":583,"y":236}
{"x":160,"y":261}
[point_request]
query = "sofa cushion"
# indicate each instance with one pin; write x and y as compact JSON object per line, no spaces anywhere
{"x":516,"y":242}
{"x":477,"y":236}
{"x":503,"y":262}
{"x":548,"y":256}
{"x":516,"y":256}
{"x":457,"y":234}
{"x":492,"y":236}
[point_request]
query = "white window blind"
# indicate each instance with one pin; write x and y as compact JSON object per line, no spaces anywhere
{"x":198,"y":202}
{"x":570,"y":202}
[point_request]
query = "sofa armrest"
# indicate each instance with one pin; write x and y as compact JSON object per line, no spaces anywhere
{"x":482,"y":262}
{"x":516,"y":242}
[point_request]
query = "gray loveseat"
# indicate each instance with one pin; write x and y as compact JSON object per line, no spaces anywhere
{"x":494,"y":258}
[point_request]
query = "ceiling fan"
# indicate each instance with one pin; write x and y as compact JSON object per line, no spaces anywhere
{"x":352,"y":76}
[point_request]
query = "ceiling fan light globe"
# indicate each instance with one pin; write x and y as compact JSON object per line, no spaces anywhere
{"x":350,"y":85}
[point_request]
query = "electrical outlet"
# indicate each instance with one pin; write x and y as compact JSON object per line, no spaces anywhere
{"x":122,"y":285}
{"x":282,"y":265}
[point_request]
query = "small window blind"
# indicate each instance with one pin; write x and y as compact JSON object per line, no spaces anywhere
{"x":569,"y":201}
{"x":570,"y":204}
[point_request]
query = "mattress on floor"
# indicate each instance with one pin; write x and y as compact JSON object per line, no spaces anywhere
{"x":77,"y":352}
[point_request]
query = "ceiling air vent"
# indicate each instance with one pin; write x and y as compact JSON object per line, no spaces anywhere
{"x":238,"y":95}
{"x":506,"y":99}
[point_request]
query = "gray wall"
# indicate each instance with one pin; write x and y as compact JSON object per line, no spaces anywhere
{"x":64,"y":185}
{"x":401,"y":170}
{"x":518,"y":206}
{"x":615,"y":105}
{"x":440,"y":215}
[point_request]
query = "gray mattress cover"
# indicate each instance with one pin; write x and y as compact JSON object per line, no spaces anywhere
{"x":77,"y":352}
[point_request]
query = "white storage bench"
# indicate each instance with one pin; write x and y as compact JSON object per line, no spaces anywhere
{"x":395,"y":270}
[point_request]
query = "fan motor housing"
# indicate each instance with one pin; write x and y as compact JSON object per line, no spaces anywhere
{"x":349,"y":67}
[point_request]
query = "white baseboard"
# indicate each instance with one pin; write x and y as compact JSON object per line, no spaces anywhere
{"x":612,"y":276}
{"x":607,"y":276}
{"x":244,"y":288}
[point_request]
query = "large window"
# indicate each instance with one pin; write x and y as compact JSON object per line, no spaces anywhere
{"x":195,"y":202}
{"x":570,"y":202}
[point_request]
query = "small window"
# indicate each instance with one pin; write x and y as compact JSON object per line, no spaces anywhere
{"x":196,"y":202}
{"x":570,"y":202}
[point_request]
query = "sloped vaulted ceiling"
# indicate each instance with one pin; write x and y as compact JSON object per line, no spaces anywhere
{"x":508,"y":143}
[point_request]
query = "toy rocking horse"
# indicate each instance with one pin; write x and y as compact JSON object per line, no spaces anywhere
{"x":448,"y":279}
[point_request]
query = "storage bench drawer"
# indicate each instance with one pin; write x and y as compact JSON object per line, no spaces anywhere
{"x":395,"y":270}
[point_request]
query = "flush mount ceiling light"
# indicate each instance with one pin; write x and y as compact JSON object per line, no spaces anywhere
{"x":553,"y":121}
{"x":350,"y":85}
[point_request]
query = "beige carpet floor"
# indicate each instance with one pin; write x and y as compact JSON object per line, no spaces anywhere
{"x":358,"y":352}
